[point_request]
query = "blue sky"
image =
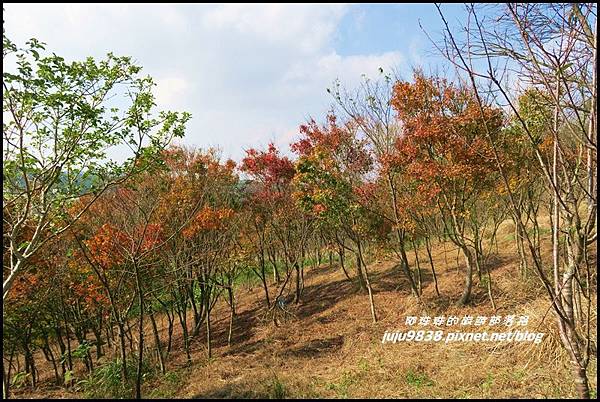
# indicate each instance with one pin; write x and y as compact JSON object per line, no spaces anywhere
{"x":249,"y":74}
{"x":378,"y":28}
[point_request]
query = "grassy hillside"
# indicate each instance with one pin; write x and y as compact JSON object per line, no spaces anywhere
{"x":331,"y":348}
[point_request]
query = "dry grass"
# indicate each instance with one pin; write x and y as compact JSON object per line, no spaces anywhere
{"x":334,"y":350}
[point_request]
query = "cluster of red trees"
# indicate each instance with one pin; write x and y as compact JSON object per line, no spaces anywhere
{"x":176,"y":237}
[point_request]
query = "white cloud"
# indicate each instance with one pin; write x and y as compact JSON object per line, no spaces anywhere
{"x":171,"y":90}
{"x":318,"y":73}
{"x":247,"y":73}
{"x":415,"y":50}
{"x":356,"y":65}
{"x":307,"y":27}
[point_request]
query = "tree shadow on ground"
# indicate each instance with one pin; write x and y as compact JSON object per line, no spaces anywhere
{"x":322,"y":297}
{"x":316,"y":347}
{"x":394,"y":279}
{"x":244,"y":325}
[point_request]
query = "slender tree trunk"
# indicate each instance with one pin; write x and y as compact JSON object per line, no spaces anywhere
{"x":263,"y":279}
{"x":68,"y":336}
{"x":400,"y":239}
{"x":30,"y":364}
{"x":232,"y":313}
{"x":458,"y":260}
{"x":6,"y":375}
{"x":521,"y":249}
{"x":273,"y":258}
{"x":301,"y":279}
{"x":419,"y":277}
{"x":207,"y":308}
{"x":108,"y":331}
{"x":406,"y":269}
{"x":489,"y":288}
{"x":159,"y":352}
{"x":47,"y":350}
{"x":366,"y":280}
{"x":98,"y":335}
{"x":185,"y":334}
{"x":478,"y":255}
{"x":574,"y":246}
{"x":129,"y":334}
{"x":428,"y":247}
{"x":138,"y":380}
{"x":469,"y":259}
{"x":342,"y":263}
{"x":5,"y":382}
{"x":297,"y":296}
{"x":361,"y":275}
{"x":197,"y":314}
{"x":61,"y":346}
{"x":170,"y":320}
{"x":121,"y":327}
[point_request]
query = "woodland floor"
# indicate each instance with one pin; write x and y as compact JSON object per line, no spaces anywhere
{"x":333,"y":349}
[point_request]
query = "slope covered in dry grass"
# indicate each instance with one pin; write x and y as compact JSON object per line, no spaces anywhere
{"x":332,"y":348}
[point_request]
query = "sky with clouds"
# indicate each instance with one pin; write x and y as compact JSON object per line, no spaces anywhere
{"x":249,"y":74}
